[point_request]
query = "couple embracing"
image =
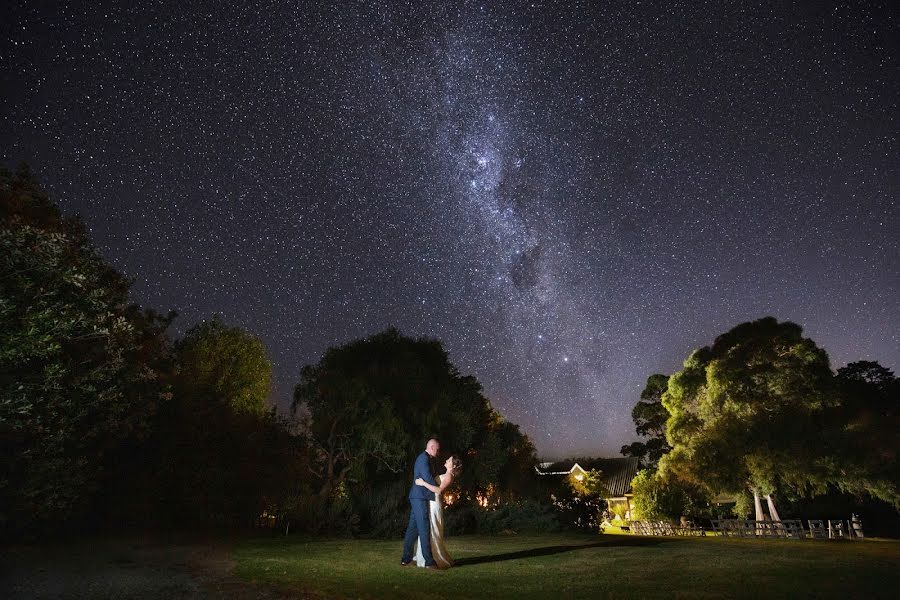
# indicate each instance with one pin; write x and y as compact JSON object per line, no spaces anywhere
{"x":426,"y":520}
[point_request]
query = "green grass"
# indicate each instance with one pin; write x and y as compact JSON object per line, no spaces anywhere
{"x":577,"y":566}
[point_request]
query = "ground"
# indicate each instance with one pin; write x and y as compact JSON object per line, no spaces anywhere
{"x":158,"y":568}
{"x":561,"y":566}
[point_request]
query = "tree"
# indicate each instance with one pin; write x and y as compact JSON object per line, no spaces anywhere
{"x":754,"y":411}
{"x":353,"y":422}
{"x":81,"y":369}
{"x":218,"y":448}
{"x":371,"y":406}
{"x":227,"y":363}
{"x":870,"y":420}
{"x":650,"y":417}
{"x":590,"y":484}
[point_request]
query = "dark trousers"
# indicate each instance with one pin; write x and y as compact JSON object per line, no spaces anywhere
{"x":418,"y":527}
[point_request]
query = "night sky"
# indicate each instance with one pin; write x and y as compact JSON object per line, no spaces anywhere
{"x":570,"y":196}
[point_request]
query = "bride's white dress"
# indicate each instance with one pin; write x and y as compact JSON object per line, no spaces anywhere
{"x":436,"y":524}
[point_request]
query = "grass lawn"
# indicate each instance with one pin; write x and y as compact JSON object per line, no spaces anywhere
{"x":579,"y":566}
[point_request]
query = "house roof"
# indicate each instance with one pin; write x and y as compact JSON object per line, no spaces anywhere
{"x":616,"y":473}
{"x":558,"y":468}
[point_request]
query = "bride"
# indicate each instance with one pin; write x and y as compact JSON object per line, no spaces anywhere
{"x":436,"y":516}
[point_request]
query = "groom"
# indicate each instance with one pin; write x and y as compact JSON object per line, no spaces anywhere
{"x":419,"y":497}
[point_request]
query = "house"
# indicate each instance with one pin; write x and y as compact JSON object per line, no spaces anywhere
{"x":615,"y":473}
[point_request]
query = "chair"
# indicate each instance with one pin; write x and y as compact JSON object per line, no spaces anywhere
{"x":855,"y":529}
{"x":688,"y":528}
{"x":729,"y":528}
{"x":793,"y":529}
{"x":748,"y":528}
{"x":774,"y":529}
{"x":836,"y":529}
{"x":817,"y":529}
{"x":665,"y":528}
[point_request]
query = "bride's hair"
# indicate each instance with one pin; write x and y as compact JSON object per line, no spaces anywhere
{"x":457,"y":464}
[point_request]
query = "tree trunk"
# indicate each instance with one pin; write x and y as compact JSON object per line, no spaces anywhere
{"x":772,"y":512}
{"x":760,"y":515}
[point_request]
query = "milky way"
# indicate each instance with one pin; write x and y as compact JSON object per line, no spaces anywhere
{"x":570,"y":195}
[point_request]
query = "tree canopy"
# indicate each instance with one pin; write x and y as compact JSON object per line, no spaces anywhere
{"x":227,"y":363}
{"x":81,"y":369}
{"x":758,"y":410}
{"x":373,"y":403}
{"x":650,"y":418}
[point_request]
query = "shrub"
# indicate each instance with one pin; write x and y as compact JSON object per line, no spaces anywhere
{"x":461,"y":518}
{"x":658,"y":498}
{"x":519,"y":516}
{"x":580,"y":513}
{"x":383,"y":508}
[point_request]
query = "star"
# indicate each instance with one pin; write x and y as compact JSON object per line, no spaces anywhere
{"x":602,"y":189}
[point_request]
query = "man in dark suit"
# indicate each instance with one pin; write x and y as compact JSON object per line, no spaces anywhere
{"x":419,"y":497}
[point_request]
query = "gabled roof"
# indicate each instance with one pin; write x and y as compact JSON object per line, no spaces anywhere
{"x":558,"y":468}
{"x":616,"y":473}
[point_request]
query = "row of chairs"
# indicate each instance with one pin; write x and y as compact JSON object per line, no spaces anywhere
{"x":791,"y":529}
{"x":664,"y":528}
{"x":819,"y":529}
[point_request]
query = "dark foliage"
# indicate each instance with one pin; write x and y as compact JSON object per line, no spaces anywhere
{"x":82,"y":371}
{"x":650,"y":417}
{"x":372,"y":404}
{"x":527,"y":515}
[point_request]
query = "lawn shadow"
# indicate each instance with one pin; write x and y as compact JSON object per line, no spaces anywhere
{"x":549,"y":550}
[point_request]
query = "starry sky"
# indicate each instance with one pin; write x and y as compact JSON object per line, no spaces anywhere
{"x":569,"y":195}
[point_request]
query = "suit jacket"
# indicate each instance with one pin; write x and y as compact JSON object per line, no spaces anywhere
{"x":422,"y":469}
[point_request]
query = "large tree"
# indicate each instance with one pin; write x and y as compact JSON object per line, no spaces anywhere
{"x":650,"y":418}
{"x":869,"y":415}
{"x":223,"y":455}
{"x":81,"y":369}
{"x":372,"y":404}
{"x":755,"y":411}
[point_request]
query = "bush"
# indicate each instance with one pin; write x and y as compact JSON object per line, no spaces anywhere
{"x":519,"y":516}
{"x":383,"y":508}
{"x":657,"y":498}
{"x":461,"y":518}
{"x":580,"y":513}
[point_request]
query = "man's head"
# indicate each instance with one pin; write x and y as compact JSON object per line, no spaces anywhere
{"x":432,"y":447}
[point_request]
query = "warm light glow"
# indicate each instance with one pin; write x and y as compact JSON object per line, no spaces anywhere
{"x":579,"y":477}
{"x":488,"y":497}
